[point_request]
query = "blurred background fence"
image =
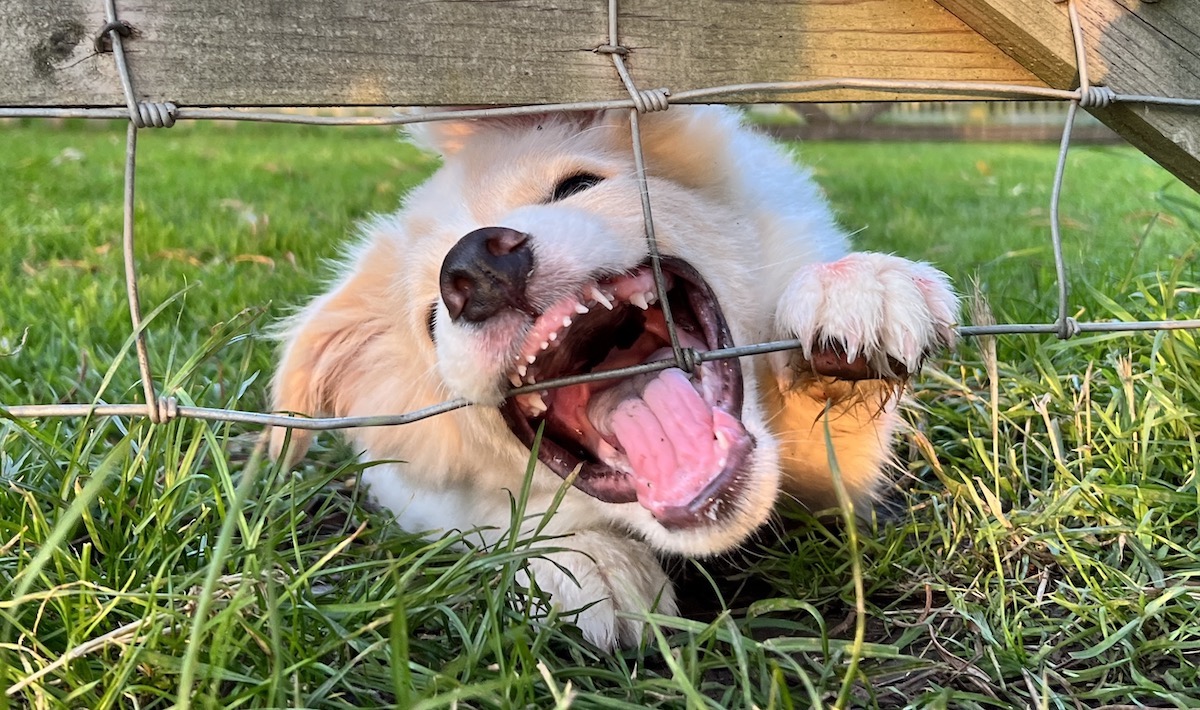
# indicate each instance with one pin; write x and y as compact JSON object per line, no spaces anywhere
{"x":1009,"y":121}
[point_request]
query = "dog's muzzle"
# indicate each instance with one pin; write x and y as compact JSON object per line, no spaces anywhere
{"x":673,"y":441}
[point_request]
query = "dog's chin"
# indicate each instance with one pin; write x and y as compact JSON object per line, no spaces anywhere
{"x":670,"y":440}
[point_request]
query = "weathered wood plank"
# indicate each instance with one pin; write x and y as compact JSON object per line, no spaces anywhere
{"x":1132,"y":47}
{"x":378,"y":52}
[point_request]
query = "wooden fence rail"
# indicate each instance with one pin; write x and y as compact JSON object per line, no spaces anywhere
{"x":443,"y":52}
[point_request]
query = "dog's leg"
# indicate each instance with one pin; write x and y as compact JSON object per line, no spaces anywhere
{"x":611,"y":578}
{"x":867,"y":321}
{"x":582,"y":565}
{"x":860,"y":417}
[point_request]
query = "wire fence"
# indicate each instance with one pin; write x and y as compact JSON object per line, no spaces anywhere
{"x":161,"y":408}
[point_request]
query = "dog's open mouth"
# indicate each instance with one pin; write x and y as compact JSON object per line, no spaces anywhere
{"x":674,"y":442}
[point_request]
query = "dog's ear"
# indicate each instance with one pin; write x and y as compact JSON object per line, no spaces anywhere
{"x":692,"y":145}
{"x":445,"y":137}
{"x":320,"y":372}
{"x":448,"y":136}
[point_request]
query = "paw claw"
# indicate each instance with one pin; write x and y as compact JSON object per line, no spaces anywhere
{"x":865,"y":316}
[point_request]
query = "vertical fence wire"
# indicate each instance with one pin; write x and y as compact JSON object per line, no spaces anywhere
{"x":115,"y":30}
{"x":1065,"y":322}
{"x":643,"y":102}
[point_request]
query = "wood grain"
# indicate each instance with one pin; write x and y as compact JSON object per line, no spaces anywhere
{"x":438,"y":52}
{"x":1132,"y":47}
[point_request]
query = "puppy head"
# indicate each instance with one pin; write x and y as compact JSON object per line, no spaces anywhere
{"x":524,"y":258}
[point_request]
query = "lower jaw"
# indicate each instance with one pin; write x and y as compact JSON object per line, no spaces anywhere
{"x":608,"y":484}
{"x":595,"y":479}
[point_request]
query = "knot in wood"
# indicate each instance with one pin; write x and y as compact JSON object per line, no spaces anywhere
{"x":103,"y":40}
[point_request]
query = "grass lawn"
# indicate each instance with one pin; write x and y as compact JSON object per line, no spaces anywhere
{"x":1040,"y":548}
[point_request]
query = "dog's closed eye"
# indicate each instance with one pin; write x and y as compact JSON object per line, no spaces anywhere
{"x":575,"y":184}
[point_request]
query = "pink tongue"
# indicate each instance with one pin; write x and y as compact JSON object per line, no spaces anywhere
{"x":676,"y":443}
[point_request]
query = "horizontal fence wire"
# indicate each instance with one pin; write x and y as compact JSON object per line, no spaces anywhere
{"x":165,"y":114}
{"x":1101,"y":96}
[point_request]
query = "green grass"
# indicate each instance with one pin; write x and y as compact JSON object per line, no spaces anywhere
{"x":1040,"y":547}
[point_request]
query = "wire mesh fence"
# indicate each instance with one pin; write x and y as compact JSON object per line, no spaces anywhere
{"x":160,"y":407}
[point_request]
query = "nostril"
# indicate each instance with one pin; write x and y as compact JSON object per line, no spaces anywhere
{"x":505,"y":242}
{"x":456,"y":296}
{"x":486,"y":272}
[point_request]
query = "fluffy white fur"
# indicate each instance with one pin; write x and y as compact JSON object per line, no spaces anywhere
{"x":725,"y":199}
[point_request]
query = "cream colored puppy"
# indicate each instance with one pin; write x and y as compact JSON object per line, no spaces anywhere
{"x":523,"y":258}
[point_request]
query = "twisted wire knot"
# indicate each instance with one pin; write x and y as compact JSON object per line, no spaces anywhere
{"x":689,"y":360}
{"x":1068,"y":328}
{"x":165,"y":409}
{"x":155,"y":114}
{"x":1096,"y":97}
{"x":647,"y":100}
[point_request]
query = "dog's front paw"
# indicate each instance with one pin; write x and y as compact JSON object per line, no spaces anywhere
{"x":603,"y":583}
{"x":864,"y":316}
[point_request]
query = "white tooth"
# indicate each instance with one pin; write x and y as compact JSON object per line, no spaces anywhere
{"x":601,"y":298}
{"x":639,"y":300}
{"x":651,"y":297}
{"x":531,"y":359}
{"x":581,"y":309}
{"x":521,"y":370}
{"x":554,"y":335}
{"x":537,"y":404}
{"x":514,"y":378}
{"x":546,"y":343}
{"x":567,"y":322}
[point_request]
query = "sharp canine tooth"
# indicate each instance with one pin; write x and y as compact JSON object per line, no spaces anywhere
{"x":521,"y":370}
{"x":567,"y":322}
{"x":581,"y":309}
{"x":651,"y":297}
{"x":531,"y":359}
{"x":639,"y":300}
{"x":536,"y":404}
{"x":601,"y":298}
{"x":514,"y":378}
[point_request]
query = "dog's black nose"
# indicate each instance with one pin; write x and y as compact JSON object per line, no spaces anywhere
{"x":486,"y":272}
